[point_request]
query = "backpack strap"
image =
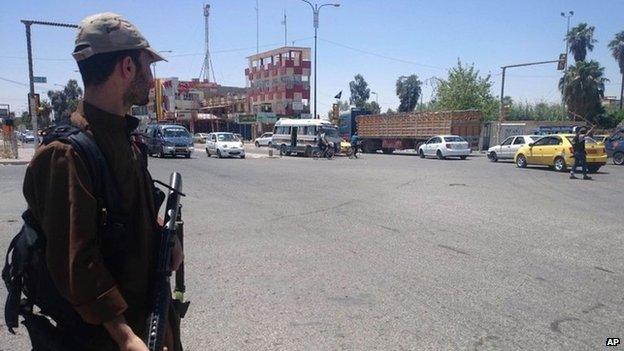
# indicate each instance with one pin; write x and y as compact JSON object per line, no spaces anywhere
{"x":105,"y":187}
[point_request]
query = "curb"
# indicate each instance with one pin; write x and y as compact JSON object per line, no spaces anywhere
{"x":14,"y":163}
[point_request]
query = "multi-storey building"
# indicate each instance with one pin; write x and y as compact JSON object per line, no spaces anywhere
{"x":279,"y":82}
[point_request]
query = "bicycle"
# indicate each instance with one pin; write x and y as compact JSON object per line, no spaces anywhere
{"x":352,"y":152}
{"x":327,"y":153}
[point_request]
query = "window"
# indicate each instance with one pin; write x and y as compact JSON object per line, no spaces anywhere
{"x":507,"y":141}
{"x":302,"y":130}
{"x":542,"y":141}
{"x":175,"y":133}
{"x":519,"y":141}
{"x":554,"y":141}
{"x":453,"y":139}
{"x":311,"y":130}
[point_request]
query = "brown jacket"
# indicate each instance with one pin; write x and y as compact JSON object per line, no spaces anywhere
{"x":60,"y":194}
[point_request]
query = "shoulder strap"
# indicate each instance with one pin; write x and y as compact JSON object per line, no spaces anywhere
{"x":104,"y":185}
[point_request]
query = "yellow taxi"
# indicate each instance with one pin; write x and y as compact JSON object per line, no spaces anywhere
{"x":556,"y":151}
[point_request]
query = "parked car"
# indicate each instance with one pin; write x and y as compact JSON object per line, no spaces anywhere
{"x":168,"y":140}
{"x":507,"y":149}
{"x":26,"y":136}
{"x":200,"y":138}
{"x":224,"y":145}
{"x":556,"y":151}
{"x":443,"y":146}
{"x":265,"y":139}
{"x":614,"y":145}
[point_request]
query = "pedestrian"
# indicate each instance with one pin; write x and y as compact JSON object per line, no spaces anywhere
{"x":580,"y":156}
{"x":114,"y":61}
{"x":354,"y":144}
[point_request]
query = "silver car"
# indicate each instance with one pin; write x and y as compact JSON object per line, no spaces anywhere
{"x":507,"y":149}
{"x":443,"y":146}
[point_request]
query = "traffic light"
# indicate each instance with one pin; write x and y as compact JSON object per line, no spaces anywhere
{"x":561,"y":65}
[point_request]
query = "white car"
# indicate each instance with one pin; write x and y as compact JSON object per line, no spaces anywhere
{"x":507,"y":149}
{"x":224,"y":145}
{"x":265,"y":139}
{"x":443,"y":146}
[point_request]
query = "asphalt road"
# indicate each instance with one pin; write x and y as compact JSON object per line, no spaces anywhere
{"x":389,"y":252}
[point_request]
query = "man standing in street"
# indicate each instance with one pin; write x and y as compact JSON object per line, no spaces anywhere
{"x":580,"y":156}
{"x":112,"y":300}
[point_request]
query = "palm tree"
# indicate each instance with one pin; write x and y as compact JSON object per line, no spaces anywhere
{"x":617,"y":50}
{"x":584,"y":88}
{"x":581,"y":39}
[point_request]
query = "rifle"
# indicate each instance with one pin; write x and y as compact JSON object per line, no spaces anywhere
{"x":161,"y":287}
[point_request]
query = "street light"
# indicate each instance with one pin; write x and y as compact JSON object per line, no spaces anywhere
{"x":565,"y":67}
{"x":161,"y":51}
{"x":315,"y":10}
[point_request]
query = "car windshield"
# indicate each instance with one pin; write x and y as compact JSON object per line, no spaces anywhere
{"x":330,"y":132}
{"x":227,"y":137}
{"x":453,"y":139}
{"x":175,"y":133}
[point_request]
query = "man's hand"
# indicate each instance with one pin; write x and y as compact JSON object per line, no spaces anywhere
{"x":123,"y":335}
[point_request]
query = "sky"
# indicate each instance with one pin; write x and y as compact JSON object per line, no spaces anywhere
{"x":381,"y":40}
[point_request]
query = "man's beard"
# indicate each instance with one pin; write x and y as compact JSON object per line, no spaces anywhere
{"x":138,"y":92}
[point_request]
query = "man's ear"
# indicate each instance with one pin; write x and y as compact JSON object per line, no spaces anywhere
{"x":127,"y":68}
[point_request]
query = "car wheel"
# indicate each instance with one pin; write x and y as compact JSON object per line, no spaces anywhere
{"x":521,"y":161}
{"x":618,"y":158}
{"x":493,"y":156}
{"x":219,"y":154}
{"x":283,"y":150}
{"x":161,"y":153}
{"x":421,"y":153}
{"x":188,"y":155}
{"x":243,"y":156}
{"x":257,"y":144}
{"x":560,"y":165}
{"x":308,"y":151}
{"x":463,"y":157}
{"x":439,"y":154}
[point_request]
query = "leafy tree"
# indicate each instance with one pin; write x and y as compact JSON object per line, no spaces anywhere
{"x":373,"y":107}
{"x":580,"y":40}
{"x":390,"y":111}
{"x":360,"y":93}
{"x":617,"y":50}
{"x":408,"y":89}
{"x":64,"y":102}
{"x":541,"y":111}
{"x":342,"y":106}
{"x":465,"y":89}
{"x":584,"y":88}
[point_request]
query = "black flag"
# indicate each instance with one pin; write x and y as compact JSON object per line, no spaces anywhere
{"x":338,"y":96}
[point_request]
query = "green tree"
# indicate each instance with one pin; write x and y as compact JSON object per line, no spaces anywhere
{"x":390,"y":111}
{"x":408,"y":90}
{"x":541,"y":111}
{"x":25,"y":120}
{"x":580,"y":40}
{"x":465,"y":89}
{"x":64,"y":102}
{"x":343,"y":105}
{"x":373,"y":107}
{"x":360,"y":93}
{"x":584,"y":88}
{"x":617,"y":50}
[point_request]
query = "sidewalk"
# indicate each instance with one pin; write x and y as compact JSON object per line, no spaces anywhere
{"x":25,"y":155}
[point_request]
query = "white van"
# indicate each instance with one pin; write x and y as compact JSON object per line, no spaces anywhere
{"x":299,"y":136}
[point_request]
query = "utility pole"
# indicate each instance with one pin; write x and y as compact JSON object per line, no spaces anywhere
{"x":31,"y":94}
{"x":565,"y":67}
{"x":502,"y":96}
{"x":285,"y":30}
{"x":315,"y":11}
{"x":257,"y":28}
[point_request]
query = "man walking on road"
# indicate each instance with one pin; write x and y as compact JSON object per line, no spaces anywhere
{"x":580,"y":156}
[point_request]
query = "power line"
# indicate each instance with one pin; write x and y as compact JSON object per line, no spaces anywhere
{"x":383,"y":56}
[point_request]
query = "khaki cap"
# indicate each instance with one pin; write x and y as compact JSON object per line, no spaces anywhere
{"x":109,"y":32}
